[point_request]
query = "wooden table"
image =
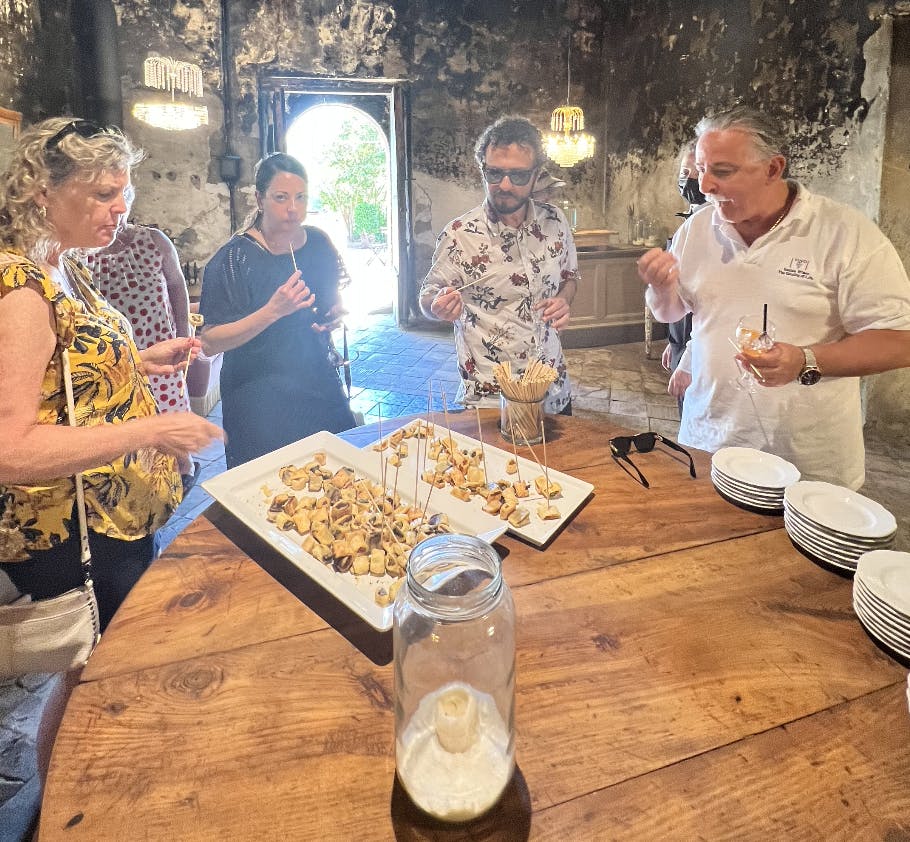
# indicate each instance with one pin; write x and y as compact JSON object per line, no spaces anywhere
{"x":682,"y":672}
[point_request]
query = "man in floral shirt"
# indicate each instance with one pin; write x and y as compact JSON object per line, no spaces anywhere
{"x":515,"y":258}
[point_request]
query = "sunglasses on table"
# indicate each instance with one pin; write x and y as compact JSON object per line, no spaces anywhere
{"x":84,"y":128}
{"x":621,"y":446}
{"x":494,"y":175}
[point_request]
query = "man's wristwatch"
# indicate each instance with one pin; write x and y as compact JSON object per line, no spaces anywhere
{"x":810,"y":375}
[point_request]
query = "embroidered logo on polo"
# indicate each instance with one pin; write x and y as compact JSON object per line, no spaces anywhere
{"x":798,"y":268}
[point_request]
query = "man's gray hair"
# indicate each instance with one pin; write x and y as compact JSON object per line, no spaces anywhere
{"x":506,"y":131}
{"x":766,"y":137}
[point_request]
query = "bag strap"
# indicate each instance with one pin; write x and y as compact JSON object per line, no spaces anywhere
{"x":85,"y":554}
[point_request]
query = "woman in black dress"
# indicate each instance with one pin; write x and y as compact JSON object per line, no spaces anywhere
{"x":270,"y":299}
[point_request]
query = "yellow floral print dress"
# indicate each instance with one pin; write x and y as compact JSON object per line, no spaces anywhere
{"x":127,"y":498}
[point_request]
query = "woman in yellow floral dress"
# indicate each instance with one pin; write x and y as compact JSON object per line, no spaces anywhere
{"x":64,"y":190}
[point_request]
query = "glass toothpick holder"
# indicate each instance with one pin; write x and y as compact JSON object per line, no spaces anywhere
{"x":520,"y":420}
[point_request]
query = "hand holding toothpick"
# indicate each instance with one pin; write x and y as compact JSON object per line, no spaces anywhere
{"x":196,"y":320}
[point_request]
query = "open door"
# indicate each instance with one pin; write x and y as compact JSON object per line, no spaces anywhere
{"x":282,"y":98}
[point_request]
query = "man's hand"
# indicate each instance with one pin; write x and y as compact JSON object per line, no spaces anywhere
{"x":679,"y":381}
{"x":554,"y":311}
{"x":447,"y":305}
{"x":777,"y":366}
{"x":659,"y":270}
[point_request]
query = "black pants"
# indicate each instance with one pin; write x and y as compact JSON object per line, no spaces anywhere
{"x":116,"y":567}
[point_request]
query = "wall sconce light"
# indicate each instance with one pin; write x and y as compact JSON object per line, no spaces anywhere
{"x":167,"y":74}
{"x":567,"y":142}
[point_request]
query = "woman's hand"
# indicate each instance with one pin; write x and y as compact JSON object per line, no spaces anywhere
{"x":181,"y":433}
{"x":291,"y":296}
{"x":170,"y":355}
{"x":330,"y":320}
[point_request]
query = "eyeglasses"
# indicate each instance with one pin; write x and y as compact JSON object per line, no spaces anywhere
{"x":83,"y":128}
{"x":494,"y":175}
{"x":620,"y":446}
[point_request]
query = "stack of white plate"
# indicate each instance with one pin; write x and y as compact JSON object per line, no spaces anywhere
{"x":834,"y":524}
{"x":752,"y":477}
{"x":881,"y":598}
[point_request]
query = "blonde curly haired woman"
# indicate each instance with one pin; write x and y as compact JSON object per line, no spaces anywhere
{"x":64,"y":190}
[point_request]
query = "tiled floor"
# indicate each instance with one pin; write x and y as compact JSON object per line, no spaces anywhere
{"x":396,"y":370}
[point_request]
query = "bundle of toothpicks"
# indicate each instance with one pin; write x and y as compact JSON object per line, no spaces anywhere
{"x":524,"y":395}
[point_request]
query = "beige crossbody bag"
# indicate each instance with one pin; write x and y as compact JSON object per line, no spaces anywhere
{"x":59,"y":634}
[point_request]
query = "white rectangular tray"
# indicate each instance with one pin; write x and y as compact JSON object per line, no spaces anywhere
{"x":537,"y":532}
{"x":240,"y":491}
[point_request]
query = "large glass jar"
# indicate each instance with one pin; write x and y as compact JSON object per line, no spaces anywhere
{"x":454,"y":651}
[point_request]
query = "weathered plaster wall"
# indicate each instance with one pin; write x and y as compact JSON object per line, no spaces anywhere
{"x":803,"y":63}
{"x":36,"y":58}
{"x":889,"y":404}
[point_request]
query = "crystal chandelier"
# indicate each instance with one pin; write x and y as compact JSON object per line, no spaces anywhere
{"x":167,"y":74}
{"x":567,"y":142}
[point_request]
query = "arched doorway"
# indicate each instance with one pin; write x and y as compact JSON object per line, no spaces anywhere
{"x":283,"y":99}
{"x":346,"y":156}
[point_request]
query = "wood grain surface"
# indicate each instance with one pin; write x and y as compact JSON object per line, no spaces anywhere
{"x":682,"y":672}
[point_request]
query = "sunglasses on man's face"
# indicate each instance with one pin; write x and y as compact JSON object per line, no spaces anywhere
{"x":494,"y":175}
{"x":621,"y":446}
{"x":83,"y":128}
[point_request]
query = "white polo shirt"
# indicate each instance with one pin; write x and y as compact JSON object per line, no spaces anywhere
{"x":826,"y":271}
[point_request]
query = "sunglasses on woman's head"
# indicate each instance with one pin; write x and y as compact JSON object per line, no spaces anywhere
{"x":83,"y":128}
{"x":494,"y":175}
{"x":621,"y":446}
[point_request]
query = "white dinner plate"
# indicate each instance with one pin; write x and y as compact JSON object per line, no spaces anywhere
{"x":762,"y":497}
{"x":842,"y":560}
{"x":840,"y":509}
{"x":886,"y":573}
{"x":884,"y":612}
{"x":825,"y":539}
{"x":755,"y":467}
{"x":247,"y":490}
{"x":537,"y":531}
{"x":842,"y":538}
{"x":880,"y":632}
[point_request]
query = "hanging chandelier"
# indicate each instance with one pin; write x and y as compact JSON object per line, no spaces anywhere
{"x":567,"y":142}
{"x":167,"y":74}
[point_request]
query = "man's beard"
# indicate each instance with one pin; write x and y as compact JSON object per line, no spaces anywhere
{"x":507,"y":203}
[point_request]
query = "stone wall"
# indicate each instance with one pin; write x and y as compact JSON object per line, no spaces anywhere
{"x":37,"y":75}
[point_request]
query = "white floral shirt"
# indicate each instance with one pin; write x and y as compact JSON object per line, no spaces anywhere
{"x":515,"y":268}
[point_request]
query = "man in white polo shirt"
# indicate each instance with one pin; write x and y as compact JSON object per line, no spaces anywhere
{"x":836,"y":292}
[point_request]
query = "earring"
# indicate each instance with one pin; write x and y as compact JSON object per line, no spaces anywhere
{"x":42,"y":211}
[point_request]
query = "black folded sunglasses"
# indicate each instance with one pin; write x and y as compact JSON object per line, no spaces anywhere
{"x":621,"y":446}
{"x":83,"y":128}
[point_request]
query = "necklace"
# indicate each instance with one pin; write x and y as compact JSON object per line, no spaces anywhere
{"x":791,"y":194}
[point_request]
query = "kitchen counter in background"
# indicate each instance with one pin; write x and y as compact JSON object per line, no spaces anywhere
{"x":609,"y":308}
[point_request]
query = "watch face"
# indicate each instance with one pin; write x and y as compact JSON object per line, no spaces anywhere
{"x":810,"y":376}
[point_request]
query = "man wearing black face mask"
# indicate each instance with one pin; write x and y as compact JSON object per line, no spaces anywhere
{"x":678,"y":332}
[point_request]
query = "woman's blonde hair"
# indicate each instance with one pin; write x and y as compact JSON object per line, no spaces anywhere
{"x":47,"y":155}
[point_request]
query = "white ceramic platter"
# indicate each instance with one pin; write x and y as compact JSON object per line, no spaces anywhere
{"x":840,"y":509}
{"x":537,"y":531}
{"x":755,"y":467}
{"x":241,"y":491}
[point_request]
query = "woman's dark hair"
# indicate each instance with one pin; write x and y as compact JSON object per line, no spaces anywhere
{"x":273,"y":164}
